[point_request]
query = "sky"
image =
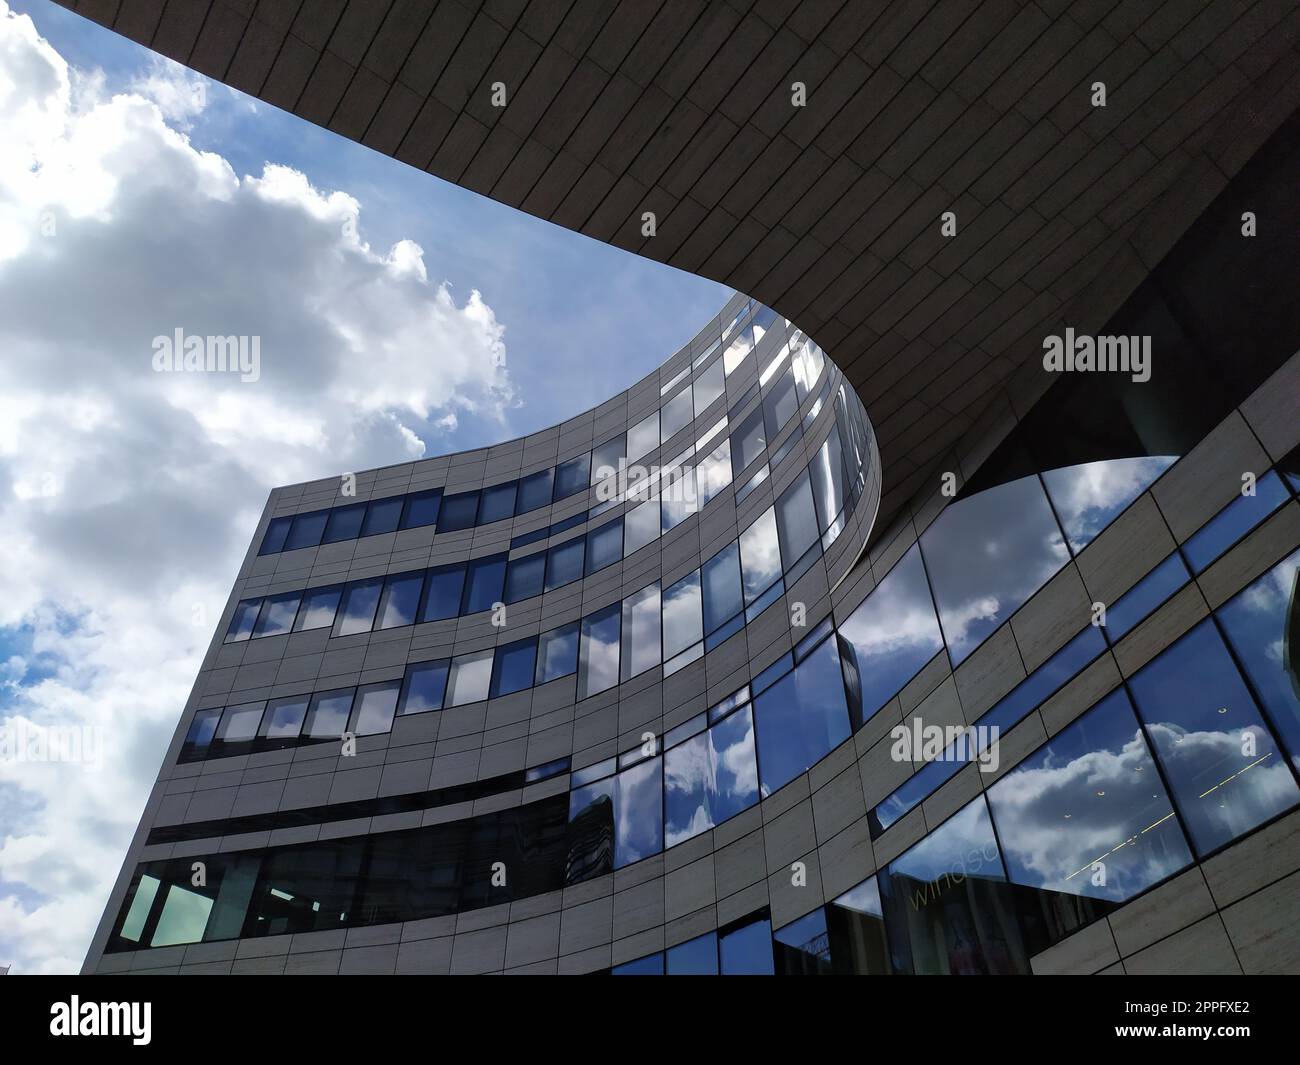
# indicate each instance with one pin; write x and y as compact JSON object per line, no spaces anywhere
{"x":398,"y":316}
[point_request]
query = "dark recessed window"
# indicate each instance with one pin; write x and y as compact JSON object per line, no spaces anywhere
{"x":344,"y":523}
{"x":573,"y":476}
{"x":382,"y":516}
{"x":358,"y":611}
{"x":605,"y":545}
{"x":564,"y":563}
{"x":513,"y":669}
{"x":484,"y":583}
{"x":458,"y":512}
{"x":306,"y":530}
{"x":497,"y":503}
{"x":319,"y":605}
{"x":424,"y":687}
{"x":278,"y":612}
{"x":855,"y":929}
{"x":524,"y":577}
{"x":276,"y":532}
{"x":803,"y":946}
{"x":535,"y":491}
{"x":421,"y":509}
{"x":443,"y":593}
{"x":401,"y":600}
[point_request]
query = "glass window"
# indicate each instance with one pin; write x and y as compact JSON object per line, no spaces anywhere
{"x":598,"y":658}
{"x":641,"y":638}
{"x":1146,"y":595}
{"x":855,"y":927}
{"x":277,"y":531}
{"x":382,"y":516}
{"x":344,"y":523}
{"x":513,"y":670}
{"x":1225,"y":770}
{"x":564,"y":563}
{"x":605,"y":458}
{"x":306,"y":530}
{"x":1089,"y":497}
{"x":359,"y":603}
{"x":639,"y":804}
{"x":650,"y":965}
{"x":713,"y":474}
{"x":557,"y":653}
{"x":737,"y":349}
{"x":1087,"y":814}
{"x":780,"y":404}
{"x":615,"y":821}
{"x":238,"y":725}
{"x":497,"y":503}
{"x":800,"y":718}
{"x":535,"y":491}
{"x":1234,"y":521}
{"x":710,"y":778}
{"x":748,"y":441}
{"x":803,"y":946}
{"x":720,"y":578}
{"x":471,"y":675}
{"x":401,"y":600}
{"x":760,"y":555}
{"x":828,"y":484}
{"x":319,"y":607}
{"x":747,"y":950}
{"x":243,"y":619}
{"x":202,"y":729}
{"x":573,"y":476}
{"x":683,"y":616}
{"x":283,"y":719}
{"x":891,"y":635}
{"x":708,"y":386}
{"x":643,"y":437}
{"x":983,"y":567}
{"x":524,"y":577}
{"x":458,"y":512}
{"x":796,"y":520}
{"x":327,"y":717}
{"x":1263,"y":626}
{"x":677,"y":497}
{"x":605,"y":545}
{"x":641,"y":525}
{"x":695,"y":957}
{"x":141,"y":904}
{"x":442,"y":595}
{"x":484,"y":583}
{"x":184,"y":917}
{"x":424,"y":687}
{"x":372,"y":714}
{"x":807,"y":362}
{"x":278,"y":612}
{"x":422,"y":509}
{"x":676,"y":414}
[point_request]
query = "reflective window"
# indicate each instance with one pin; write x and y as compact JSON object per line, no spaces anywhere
{"x":605,"y":458}
{"x":424,"y":687}
{"x":238,"y":726}
{"x":401,"y":600}
{"x":327,"y":717}
{"x":695,"y":957}
{"x":514,"y":666}
{"x":1089,"y":497}
{"x":278,"y":612}
{"x":760,"y":555}
{"x":615,"y":821}
{"x":442,"y":594}
{"x":605,"y":545}
{"x":421,"y":509}
{"x":708,"y":386}
{"x":650,"y":965}
{"x":749,"y":440}
{"x":641,"y":639}
{"x":1263,"y":626}
{"x":807,"y":362}
{"x":803,"y":947}
{"x":891,"y":635}
{"x":720,"y":577}
{"x":713,"y":474}
{"x":344,"y":523}
{"x":306,"y":530}
{"x":564,"y":563}
{"x":677,"y":494}
{"x":573,"y":476}
{"x":683,"y":620}
{"x":855,"y":929}
{"x":1234,"y":521}
{"x":643,"y":437}
{"x":484,"y":583}
{"x":709,"y":778}
{"x":796,"y":520}
{"x":800,"y":718}
{"x":676,"y":414}
{"x":524,"y":577}
{"x":470,"y":677}
{"x":372,"y":714}
{"x":183,"y":919}
{"x":319,"y":605}
{"x":641,"y":526}
{"x":828,"y":484}
{"x":747,"y":950}
{"x":382,"y":516}
{"x":738,"y":348}
{"x":598,"y":658}
{"x":497,"y":503}
{"x":202,"y":729}
{"x":1146,"y":595}
{"x":458,"y":512}
{"x":283,"y":719}
{"x":982,"y":567}
{"x":557,"y":653}
{"x":535,"y":491}
{"x":277,"y":530}
{"x":241,"y":622}
{"x":780,"y":404}
{"x":358,"y":611}
{"x":1226,"y":772}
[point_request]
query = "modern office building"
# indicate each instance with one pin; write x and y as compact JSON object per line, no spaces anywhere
{"x":684,"y":683}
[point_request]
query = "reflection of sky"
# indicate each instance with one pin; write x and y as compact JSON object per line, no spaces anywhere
{"x":638,"y":813}
{"x":760,"y":556}
{"x":865,"y":898}
{"x":1089,"y":497}
{"x":709,"y":778}
{"x":964,"y":844}
{"x":599,"y":666}
{"x":986,"y":555}
{"x":682,"y":618}
{"x":1091,"y":795}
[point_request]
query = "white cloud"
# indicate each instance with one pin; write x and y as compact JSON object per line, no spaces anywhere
{"x":127,"y":497}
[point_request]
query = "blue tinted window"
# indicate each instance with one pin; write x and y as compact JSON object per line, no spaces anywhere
{"x":421,"y":509}
{"x":443,"y":594}
{"x":344,"y":523}
{"x":557,"y":654}
{"x":358,"y":611}
{"x":800,"y":718}
{"x":683,"y":621}
{"x":890,"y":636}
{"x":484,"y":584}
{"x":535,"y":491}
{"x":615,"y":821}
{"x":650,"y":965}
{"x":276,"y":532}
{"x":401,"y":600}
{"x":202,"y":729}
{"x":907,"y":796}
{"x":710,"y":778}
{"x":747,"y":950}
{"x":328,"y":715}
{"x":382,"y":516}
{"x":458,"y":512}
{"x":803,"y":946}
{"x":1225,"y":770}
{"x":1263,"y":627}
{"x":695,"y":957}
{"x":1089,"y":497}
{"x":278,"y":612}
{"x":497,"y":503}
{"x":524,"y":577}
{"x":720,"y":577}
{"x":513,"y":669}
{"x":1045,"y":680}
{"x":424,"y":687}
{"x":1234,"y":521}
{"x":573,"y":476}
{"x":564,"y":563}
{"x":1146,"y":595}
{"x":605,"y":545}
{"x":319,"y":605}
{"x":598,"y":653}
{"x":241,"y":622}
{"x":855,"y":924}
{"x":306,"y":530}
